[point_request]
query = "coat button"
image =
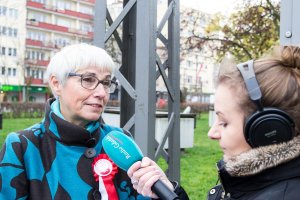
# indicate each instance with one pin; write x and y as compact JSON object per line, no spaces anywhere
{"x":212,"y":191}
{"x":90,"y":152}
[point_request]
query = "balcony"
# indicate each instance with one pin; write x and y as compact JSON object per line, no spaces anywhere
{"x":63,"y":29}
{"x":87,"y":1}
{"x":38,"y":43}
{"x":34,"y":81}
{"x":58,"y":10}
{"x":37,"y":62}
{"x":76,"y":14}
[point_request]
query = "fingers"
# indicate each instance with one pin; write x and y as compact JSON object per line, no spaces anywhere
{"x":147,"y":162}
{"x":133,"y":168}
{"x":145,"y":184}
{"x":144,"y":174}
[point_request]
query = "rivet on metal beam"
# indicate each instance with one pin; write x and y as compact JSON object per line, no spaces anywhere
{"x":288,"y":34}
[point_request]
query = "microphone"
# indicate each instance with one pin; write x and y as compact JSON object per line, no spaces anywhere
{"x":124,"y":152}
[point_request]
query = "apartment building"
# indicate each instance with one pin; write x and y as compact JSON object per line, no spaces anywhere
{"x":31,"y":31}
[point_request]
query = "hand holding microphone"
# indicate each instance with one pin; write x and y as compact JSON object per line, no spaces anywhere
{"x":125,"y":153}
{"x":144,"y":175}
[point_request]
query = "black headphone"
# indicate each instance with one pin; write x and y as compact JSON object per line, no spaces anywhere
{"x":267,"y":125}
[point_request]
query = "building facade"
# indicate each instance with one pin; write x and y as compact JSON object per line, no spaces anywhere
{"x":31,"y":32}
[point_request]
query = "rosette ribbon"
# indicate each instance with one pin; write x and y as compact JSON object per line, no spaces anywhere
{"x":104,"y":172}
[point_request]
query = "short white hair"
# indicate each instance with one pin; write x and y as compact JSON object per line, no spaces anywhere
{"x":78,"y":56}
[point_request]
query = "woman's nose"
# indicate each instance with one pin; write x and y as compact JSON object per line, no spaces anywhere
{"x":214,"y":133}
{"x":100,"y":91}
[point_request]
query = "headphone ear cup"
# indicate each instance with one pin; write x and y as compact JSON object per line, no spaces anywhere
{"x":267,"y":127}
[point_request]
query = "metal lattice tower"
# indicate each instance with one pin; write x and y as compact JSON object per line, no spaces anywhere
{"x":289,"y":24}
{"x":141,"y":66}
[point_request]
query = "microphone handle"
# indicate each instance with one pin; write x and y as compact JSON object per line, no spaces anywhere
{"x":162,"y":191}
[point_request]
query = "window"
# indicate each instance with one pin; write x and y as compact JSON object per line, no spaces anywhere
{"x":32,"y":99}
{"x":10,"y":31}
{"x":86,"y":10}
{"x":42,"y":74}
{"x":62,"y":41}
{"x":35,"y":55}
{"x":15,"y":32}
{"x":3,"y":30}
{"x":14,"y":52}
{"x":9,"y":72}
{"x":85,"y":27}
{"x":37,"y":74}
{"x":14,"y":72}
{"x":33,"y":74}
{"x":36,"y":36}
{"x":28,"y":71}
{"x":63,"y":5}
{"x":3,"y":50}
{"x":14,"y":98}
{"x":9,"y":12}
{"x":39,"y":1}
{"x":38,"y":17}
{"x":3,"y":70}
{"x":10,"y":51}
{"x":63,"y":22}
{"x":13,"y":13}
{"x":3,"y":10}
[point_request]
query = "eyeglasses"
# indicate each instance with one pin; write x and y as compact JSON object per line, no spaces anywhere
{"x":90,"y":82}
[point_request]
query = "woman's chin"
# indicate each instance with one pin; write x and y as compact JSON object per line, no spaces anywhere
{"x":92,"y":117}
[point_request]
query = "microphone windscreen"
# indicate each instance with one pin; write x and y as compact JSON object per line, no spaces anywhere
{"x":121,"y":149}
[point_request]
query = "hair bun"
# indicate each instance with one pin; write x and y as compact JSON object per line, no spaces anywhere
{"x":290,"y":56}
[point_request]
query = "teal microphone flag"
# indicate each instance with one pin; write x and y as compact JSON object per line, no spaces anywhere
{"x":121,"y":149}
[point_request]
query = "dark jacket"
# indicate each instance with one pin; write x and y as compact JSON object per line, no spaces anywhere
{"x":54,"y":159}
{"x":270,"y":172}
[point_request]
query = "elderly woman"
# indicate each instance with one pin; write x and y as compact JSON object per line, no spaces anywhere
{"x":62,"y":156}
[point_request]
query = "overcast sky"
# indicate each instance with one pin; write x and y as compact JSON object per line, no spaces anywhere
{"x":210,"y":6}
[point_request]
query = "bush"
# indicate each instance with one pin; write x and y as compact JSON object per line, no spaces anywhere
{"x":22,"y":110}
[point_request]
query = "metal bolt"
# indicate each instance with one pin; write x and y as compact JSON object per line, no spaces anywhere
{"x":288,"y":34}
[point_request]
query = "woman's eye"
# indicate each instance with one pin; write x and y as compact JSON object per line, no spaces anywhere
{"x":223,"y":124}
{"x":89,"y":79}
{"x":106,"y":83}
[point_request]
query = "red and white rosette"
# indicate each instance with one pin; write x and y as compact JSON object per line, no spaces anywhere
{"x":104,"y":171}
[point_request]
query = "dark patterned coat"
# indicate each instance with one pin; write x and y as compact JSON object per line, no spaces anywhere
{"x":49,"y":161}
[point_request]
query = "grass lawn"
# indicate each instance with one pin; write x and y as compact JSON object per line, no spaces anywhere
{"x":198,"y":164}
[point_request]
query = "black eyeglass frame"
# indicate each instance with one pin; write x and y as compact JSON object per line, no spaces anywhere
{"x":113,"y":84}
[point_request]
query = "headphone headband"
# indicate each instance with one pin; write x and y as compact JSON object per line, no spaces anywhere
{"x":247,"y":71}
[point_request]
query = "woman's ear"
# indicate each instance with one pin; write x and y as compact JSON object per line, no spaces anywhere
{"x":55,"y":85}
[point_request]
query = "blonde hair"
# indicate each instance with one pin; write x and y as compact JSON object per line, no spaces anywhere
{"x":278,"y":76}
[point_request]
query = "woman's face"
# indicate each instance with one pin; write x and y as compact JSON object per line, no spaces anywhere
{"x":79,"y":105}
{"x":229,"y":124}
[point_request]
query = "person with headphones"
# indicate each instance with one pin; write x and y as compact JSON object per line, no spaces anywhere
{"x":257,"y":104}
